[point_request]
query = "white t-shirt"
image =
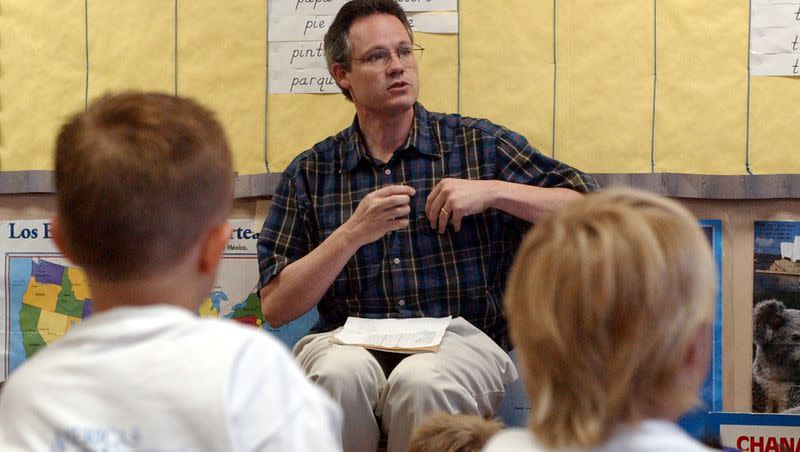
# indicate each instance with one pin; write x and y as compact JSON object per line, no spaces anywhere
{"x":650,"y":435}
{"x":158,"y":378}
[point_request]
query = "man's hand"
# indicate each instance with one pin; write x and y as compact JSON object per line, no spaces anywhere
{"x":380,"y":212}
{"x":453,"y":199}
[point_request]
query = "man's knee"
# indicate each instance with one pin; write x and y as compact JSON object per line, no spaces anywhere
{"x":423,"y":385}
{"x":420,"y":383}
{"x":414,"y":374}
{"x":342,"y":370}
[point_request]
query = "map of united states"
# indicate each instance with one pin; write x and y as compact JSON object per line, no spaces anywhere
{"x":47,"y":297}
{"x":57,"y":298}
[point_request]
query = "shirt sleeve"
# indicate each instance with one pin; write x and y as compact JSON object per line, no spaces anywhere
{"x":273,"y":407}
{"x":519,"y":162}
{"x":19,"y":431}
{"x":287,"y":231}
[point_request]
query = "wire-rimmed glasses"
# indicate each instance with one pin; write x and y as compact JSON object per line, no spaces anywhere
{"x":381,"y":58}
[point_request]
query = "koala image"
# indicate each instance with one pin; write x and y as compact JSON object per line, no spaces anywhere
{"x":776,"y":366}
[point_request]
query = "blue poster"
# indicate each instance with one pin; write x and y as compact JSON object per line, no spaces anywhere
{"x":696,"y":422}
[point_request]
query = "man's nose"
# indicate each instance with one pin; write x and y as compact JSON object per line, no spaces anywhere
{"x":395,"y":63}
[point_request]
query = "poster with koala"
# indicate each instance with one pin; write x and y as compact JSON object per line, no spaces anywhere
{"x":776,"y":317}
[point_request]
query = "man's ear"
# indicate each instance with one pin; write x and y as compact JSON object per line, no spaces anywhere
{"x":340,"y":75}
{"x":58,"y":238}
{"x":213,"y":243}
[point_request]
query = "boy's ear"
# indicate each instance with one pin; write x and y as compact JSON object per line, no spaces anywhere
{"x":212,"y":246}
{"x":58,"y":238}
{"x":699,"y":356}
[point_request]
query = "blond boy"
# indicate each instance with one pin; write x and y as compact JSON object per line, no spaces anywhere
{"x":610,"y":305}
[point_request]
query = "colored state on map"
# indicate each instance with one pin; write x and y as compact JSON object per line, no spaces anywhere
{"x":56,"y":298}
{"x":247,"y":311}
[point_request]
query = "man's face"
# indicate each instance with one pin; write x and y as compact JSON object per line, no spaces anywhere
{"x":381,"y":88}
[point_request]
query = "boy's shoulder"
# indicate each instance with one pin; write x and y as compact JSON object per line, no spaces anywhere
{"x":165,"y":331}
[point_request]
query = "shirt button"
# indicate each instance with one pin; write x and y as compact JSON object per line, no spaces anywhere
{"x":402,"y":302}
{"x":396,"y":260}
{"x":387,"y":171}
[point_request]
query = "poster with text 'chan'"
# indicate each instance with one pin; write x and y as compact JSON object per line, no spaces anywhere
{"x":44,"y":295}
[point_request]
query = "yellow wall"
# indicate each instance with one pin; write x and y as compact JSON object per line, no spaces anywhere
{"x":598,"y":84}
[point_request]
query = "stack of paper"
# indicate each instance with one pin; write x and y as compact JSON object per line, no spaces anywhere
{"x":394,"y":335}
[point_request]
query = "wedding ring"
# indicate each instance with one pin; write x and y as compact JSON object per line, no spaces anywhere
{"x":445,"y":212}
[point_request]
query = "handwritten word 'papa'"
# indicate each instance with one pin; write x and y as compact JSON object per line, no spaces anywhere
{"x":317,"y":2}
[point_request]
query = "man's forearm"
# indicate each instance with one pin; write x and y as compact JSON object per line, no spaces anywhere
{"x":301,"y":285}
{"x":530,"y":203}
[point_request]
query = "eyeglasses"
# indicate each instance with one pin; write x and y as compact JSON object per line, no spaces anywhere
{"x":380,"y":58}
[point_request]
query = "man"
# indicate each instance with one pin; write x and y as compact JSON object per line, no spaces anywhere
{"x":406,"y":213}
{"x":144,"y":189}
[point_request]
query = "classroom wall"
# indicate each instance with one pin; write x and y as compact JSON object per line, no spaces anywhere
{"x":610,"y":87}
{"x":737,"y":234}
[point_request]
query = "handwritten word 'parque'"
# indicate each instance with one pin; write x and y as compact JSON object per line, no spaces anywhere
{"x":321,"y":82}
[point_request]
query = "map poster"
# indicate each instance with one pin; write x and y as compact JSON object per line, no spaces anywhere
{"x":44,"y":295}
{"x":234,"y":294}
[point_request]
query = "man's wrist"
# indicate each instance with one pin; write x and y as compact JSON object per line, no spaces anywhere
{"x":496,"y":190}
{"x":345,"y":239}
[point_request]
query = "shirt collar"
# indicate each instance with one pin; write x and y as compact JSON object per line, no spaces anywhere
{"x":419,"y":138}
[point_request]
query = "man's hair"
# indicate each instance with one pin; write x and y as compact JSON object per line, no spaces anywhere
{"x":338,"y":47}
{"x":605,"y":300}
{"x":139,"y":178}
{"x":443,"y":432}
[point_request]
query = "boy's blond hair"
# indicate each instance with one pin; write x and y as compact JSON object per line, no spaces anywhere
{"x":444,"y":432}
{"x":139,"y":178}
{"x":605,"y":300}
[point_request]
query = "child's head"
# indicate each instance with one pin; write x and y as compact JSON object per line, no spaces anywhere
{"x":140,"y":178}
{"x":610,"y":303}
{"x":444,"y":432}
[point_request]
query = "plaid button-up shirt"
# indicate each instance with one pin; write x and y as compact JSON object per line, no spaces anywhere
{"x":412,"y":272}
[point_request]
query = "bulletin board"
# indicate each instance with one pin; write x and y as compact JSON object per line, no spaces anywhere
{"x":657,"y":86}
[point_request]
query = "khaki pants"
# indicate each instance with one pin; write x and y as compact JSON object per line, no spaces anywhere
{"x":466,"y":375}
